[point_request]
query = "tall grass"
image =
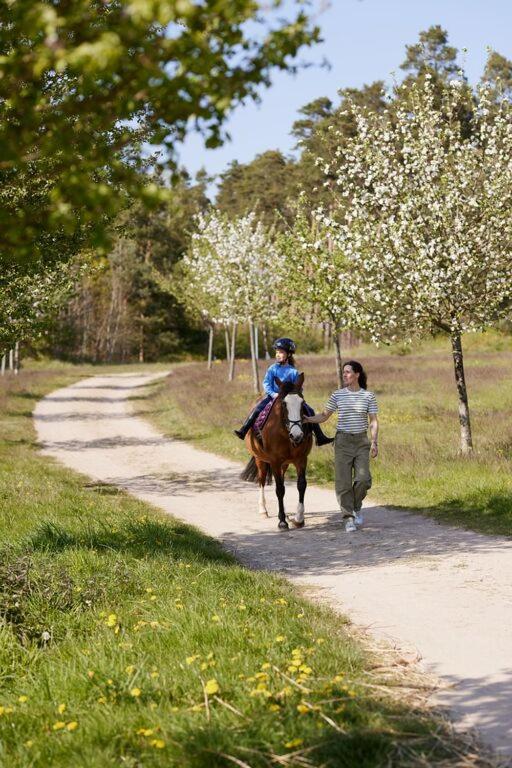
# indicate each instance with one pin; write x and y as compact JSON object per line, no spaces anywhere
{"x":130,"y":639}
{"x":419,"y":466}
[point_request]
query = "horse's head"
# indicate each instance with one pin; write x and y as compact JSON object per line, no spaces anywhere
{"x":291,"y":395}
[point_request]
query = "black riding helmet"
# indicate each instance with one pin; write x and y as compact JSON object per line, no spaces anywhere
{"x":285,"y":343}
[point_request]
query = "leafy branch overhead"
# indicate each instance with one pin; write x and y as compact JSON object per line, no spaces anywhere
{"x":84,"y":85}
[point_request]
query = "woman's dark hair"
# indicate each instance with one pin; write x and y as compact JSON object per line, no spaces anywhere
{"x":290,"y":360}
{"x":358,"y":368}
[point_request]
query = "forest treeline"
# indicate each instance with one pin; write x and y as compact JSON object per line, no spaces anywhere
{"x":117,"y":308}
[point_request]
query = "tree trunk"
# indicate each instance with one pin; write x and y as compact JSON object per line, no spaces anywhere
{"x":232,"y":357}
{"x":210,"y":347}
{"x":11,"y":359}
{"x":339,"y":362}
{"x":16,"y":358}
{"x":327,"y":336}
{"x":228,"y":345}
{"x":254,"y":359}
{"x":466,"y":441}
{"x":256,"y":342}
{"x":141,"y":339}
{"x":265,"y":342}
{"x":2,"y":364}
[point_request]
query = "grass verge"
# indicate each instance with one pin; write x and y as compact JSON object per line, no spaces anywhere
{"x":128,"y":638}
{"x":419,"y":466}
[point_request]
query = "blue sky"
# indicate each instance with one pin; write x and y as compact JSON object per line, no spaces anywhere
{"x":364,"y":40}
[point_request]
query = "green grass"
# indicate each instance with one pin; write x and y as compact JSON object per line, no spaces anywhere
{"x":419,"y":466}
{"x":130,"y":639}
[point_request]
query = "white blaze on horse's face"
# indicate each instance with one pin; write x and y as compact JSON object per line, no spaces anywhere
{"x":294,"y":408}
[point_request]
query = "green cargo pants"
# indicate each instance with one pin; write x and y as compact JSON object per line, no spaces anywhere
{"x":351,"y":470}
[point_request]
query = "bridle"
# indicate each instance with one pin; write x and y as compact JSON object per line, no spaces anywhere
{"x":290,"y":423}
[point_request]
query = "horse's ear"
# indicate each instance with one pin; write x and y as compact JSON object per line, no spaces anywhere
{"x":278,"y":381}
{"x":300,"y":381}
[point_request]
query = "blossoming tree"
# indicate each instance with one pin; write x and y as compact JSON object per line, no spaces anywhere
{"x":313,"y":268}
{"x":230,"y":273}
{"x":426,"y":201}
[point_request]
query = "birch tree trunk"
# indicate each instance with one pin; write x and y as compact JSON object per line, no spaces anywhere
{"x":210,"y":347}
{"x":2,"y":364}
{"x":228,"y":345}
{"x":265,"y":342}
{"x":232,"y":358}
{"x":339,"y":362}
{"x":466,"y":441}
{"x":254,"y":359}
{"x":11,"y":359}
{"x":16,"y":358}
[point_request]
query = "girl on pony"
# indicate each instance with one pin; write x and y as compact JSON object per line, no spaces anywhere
{"x":284,"y":370}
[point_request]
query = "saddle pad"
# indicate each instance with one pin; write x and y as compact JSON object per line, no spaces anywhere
{"x":262,"y":417}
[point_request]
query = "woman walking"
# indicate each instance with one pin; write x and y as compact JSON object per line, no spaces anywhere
{"x":352,"y":449}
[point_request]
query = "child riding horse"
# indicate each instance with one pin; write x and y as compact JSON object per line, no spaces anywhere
{"x":283,"y":370}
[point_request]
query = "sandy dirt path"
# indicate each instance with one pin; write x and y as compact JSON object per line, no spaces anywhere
{"x":441,"y":590}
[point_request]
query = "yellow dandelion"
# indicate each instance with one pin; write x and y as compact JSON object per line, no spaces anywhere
{"x":61,"y":709}
{"x":29,"y":743}
{"x":58,"y":726}
{"x":22,"y":699}
{"x":111,"y":620}
{"x":294,"y":743}
{"x":135,"y":692}
{"x":157,"y":743}
{"x":102,"y":700}
{"x":153,"y":598}
{"x":191,"y":659}
{"x":154,"y":675}
{"x":72,"y":726}
{"x":320,"y":640}
{"x":215,"y":618}
{"x":274,"y":707}
{"x":302,"y":708}
{"x":212,"y":687}
{"x":280,"y":639}
{"x":90,"y":674}
{"x":266,"y":665}
{"x":130,"y":669}
{"x":145,"y":731}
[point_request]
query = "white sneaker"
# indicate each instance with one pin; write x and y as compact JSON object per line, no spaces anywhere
{"x":358,"y":518}
{"x":350,"y":525}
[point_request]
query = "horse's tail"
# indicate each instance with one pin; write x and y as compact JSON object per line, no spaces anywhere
{"x":250,"y":473}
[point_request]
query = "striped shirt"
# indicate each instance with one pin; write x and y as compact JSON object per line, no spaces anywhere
{"x":353,"y":409}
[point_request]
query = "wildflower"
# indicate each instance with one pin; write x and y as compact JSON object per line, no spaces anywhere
{"x":58,"y":725}
{"x":72,"y":726}
{"x":212,"y":687}
{"x":280,"y":639}
{"x":29,"y":743}
{"x":90,"y":674}
{"x":215,"y":618}
{"x":61,"y":709}
{"x":302,"y":708}
{"x":294,"y":743}
{"x":102,"y":700}
{"x":129,"y":669}
{"x":154,"y":675}
{"x":274,"y":707}
{"x":191,"y":659}
{"x":157,"y":743}
{"x":111,"y":620}
{"x":22,"y":699}
{"x":135,"y":692}
{"x":145,"y":731}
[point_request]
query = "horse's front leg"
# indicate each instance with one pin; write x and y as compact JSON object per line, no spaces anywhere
{"x":302,"y":483}
{"x":279,"y":478}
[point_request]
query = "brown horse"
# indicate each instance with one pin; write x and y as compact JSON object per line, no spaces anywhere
{"x":284,"y":440}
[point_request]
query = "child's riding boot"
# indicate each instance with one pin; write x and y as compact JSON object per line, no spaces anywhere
{"x":241,"y":433}
{"x":320,"y":438}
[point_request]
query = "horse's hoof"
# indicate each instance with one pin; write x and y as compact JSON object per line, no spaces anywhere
{"x":283,"y":525}
{"x":296,"y":524}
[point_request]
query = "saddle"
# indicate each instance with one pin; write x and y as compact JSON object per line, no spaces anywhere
{"x":262,"y":417}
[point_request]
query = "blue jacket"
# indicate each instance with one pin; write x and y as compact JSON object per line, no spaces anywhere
{"x":283,"y":372}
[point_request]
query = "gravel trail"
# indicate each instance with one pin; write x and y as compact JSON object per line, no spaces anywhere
{"x":442,"y":591}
